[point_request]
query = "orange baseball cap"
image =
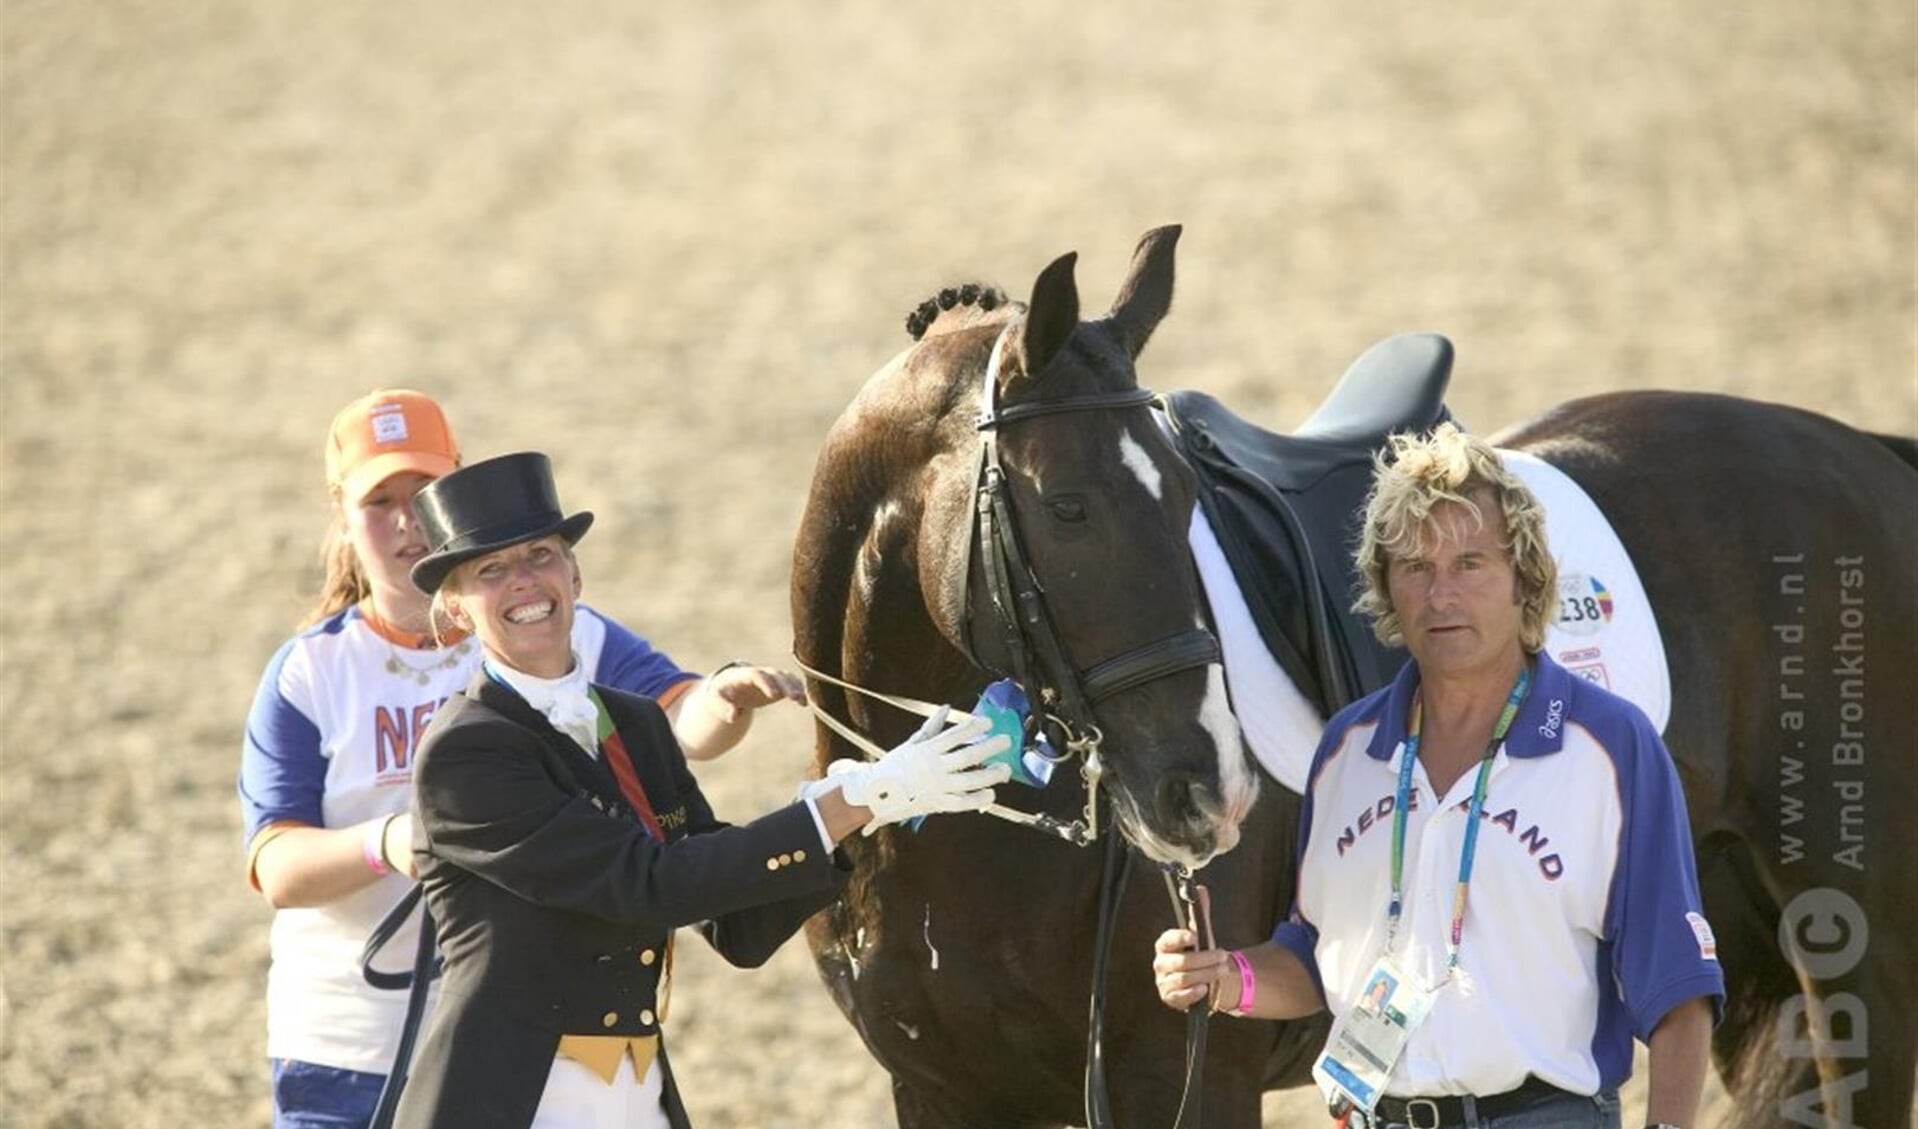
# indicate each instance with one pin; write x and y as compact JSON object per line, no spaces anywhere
{"x":386,"y":432}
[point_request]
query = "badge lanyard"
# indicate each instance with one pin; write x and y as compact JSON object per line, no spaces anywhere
{"x":1395,"y":909}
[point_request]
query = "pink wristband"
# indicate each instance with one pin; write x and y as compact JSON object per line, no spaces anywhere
{"x":1248,"y":987}
{"x":373,"y":847}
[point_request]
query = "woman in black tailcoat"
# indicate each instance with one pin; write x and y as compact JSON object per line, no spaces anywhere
{"x":561,"y":839}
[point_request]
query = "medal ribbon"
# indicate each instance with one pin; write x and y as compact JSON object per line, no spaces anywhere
{"x":613,"y":750}
{"x":1396,"y":907}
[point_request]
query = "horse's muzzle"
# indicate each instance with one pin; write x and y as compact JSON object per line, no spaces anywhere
{"x":1190,"y":823}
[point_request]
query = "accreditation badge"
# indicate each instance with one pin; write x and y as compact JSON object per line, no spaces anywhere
{"x":1368,"y":1039}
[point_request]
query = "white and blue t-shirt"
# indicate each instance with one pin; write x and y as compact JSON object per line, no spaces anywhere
{"x":330,"y":741}
{"x":1583,"y":924}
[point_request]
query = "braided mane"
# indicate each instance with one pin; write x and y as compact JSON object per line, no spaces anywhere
{"x":978,"y":294}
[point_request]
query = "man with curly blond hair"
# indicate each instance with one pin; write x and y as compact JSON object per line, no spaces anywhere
{"x":1418,"y":477}
{"x":1504,"y":841}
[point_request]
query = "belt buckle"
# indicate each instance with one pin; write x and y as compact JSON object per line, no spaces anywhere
{"x":1415,"y":1107}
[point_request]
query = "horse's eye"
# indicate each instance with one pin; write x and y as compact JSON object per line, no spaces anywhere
{"x":1072,"y":509}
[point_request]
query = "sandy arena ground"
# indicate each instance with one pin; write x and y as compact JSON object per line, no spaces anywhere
{"x":666,"y":244}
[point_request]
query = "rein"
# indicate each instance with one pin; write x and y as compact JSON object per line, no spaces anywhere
{"x":1079,"y":833}
{"x":1192,"y":907}
{"x":426,"y":968}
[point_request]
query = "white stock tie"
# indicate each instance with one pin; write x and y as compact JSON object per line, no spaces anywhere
{"x":564,"y":700}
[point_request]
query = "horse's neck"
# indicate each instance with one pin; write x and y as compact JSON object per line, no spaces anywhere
{"x":860,"y":612}
{"x":861,"y":609}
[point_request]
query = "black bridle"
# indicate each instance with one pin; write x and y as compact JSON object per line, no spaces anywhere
{"x":1069,"y":693}
{"x":1061,"y":692}
{"x":1027,"y":634}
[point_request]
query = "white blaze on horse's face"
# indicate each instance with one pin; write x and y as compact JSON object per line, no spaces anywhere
{"x":1141,"y":465}
{"x":1237,"y":786}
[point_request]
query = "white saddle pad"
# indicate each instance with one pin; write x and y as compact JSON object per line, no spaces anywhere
{"x":1605,"y":631}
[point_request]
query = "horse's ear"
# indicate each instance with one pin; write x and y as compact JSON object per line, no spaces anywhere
{"x":1051,"y":316}
{"x":1147,"y":293}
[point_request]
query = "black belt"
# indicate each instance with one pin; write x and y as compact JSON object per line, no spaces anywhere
{"x":1433,"y":1113}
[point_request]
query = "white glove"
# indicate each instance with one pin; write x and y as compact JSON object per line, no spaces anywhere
{"x":936,"y":770}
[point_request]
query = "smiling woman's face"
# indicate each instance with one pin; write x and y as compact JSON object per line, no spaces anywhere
{"x":519,"y":601}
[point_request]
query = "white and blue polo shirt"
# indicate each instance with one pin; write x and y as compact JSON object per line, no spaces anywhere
{"x":1583,"y":925}
{"x":330,"y":742}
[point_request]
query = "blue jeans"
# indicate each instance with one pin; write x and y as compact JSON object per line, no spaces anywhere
{"x":1559,"y":1111}
{"x":307,"y":1095}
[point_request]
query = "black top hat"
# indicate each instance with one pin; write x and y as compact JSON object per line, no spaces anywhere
{"x":487,"y":506}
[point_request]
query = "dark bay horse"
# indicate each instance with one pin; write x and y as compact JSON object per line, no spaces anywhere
{"x":1768,"y":539}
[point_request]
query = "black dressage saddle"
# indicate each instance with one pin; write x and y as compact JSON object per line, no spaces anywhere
{"x":1286,"y":508}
